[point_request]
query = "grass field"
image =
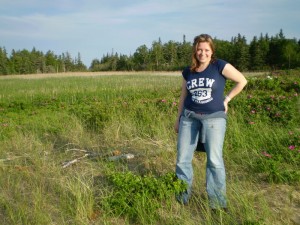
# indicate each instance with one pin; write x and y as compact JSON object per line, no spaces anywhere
{"x":46,"y":123}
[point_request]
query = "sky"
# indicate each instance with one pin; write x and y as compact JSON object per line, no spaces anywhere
{"x":94,"y":28}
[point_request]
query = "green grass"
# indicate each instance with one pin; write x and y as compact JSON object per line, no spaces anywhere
{"x":46,"y":122}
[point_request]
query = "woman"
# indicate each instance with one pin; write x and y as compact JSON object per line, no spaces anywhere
{"x":202,"y":114}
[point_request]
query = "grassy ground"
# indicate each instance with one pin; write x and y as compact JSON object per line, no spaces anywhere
{"x":47,"y":122}
{"x":109,"y":73}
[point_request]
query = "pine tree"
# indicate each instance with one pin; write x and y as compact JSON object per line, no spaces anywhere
{"x":157,"y":54}
{"x":224,"y":50}
{"x":51,"y":62}
{"x":4,"y":67}
{"x":291,"y":54}
{"x":68,"y":62}
{"x":256,"y":55}
{"x":141,"y":58}
{"x":184,"y":53}
{"x":275,"y":55}
{"x":241,"y":53}
{"x":170,"y":55}
{"x":38,"y":61}
{"x":79,"y":64}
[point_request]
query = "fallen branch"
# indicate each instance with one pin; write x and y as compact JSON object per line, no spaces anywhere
{"x":76,"y":149}
{"x":112,"y":156}
{"x":69,"y":163}
{"x":123,"y":156}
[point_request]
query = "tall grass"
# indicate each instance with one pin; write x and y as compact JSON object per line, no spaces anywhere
{"x":45,"y":122}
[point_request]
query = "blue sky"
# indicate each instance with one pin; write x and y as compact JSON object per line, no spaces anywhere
{"x":97,"y":27}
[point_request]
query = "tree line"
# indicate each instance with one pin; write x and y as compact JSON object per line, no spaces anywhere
{"x":26,"y":62}
{"x":261,"y":54}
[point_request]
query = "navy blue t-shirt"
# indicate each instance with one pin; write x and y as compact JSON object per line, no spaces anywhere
{"x":206,"y":88}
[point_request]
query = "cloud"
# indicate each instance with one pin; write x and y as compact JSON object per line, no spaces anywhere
{"x":95,"y":27}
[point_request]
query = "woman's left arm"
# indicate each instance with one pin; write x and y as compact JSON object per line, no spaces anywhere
{"x":231,"y":73}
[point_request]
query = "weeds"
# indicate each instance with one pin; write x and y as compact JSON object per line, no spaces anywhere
{"x":136,"y":114}
{"x":134,"y":195}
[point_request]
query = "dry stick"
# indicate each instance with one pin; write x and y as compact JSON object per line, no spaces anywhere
{"x":115,"y":155}
{"x":76,"y":149}
{"x":66,"y":164}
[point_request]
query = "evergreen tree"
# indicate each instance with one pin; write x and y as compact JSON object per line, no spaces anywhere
{"x":157,"y":54}
{"x":141,"y":58}
{"x":79,"y":64}
{"x":241,"y":53}
{"x":113,"y":61}
{"x":224,"y":50}
{"x":275,"y":55}
{"x":291,"y":54}
{"x":21,"y":62}
{"x":184,"y":53}
{"x":38,"y":61}
{"x":123,"y":63}
{"x":95,"y":65}
{"x":51,"y":62}
{"x":257,"y":61}
{"x":68,"y":62}
{"x":170,"y":55}
{"x":264,"y":45}
{"x":4,"y":67}
{"x":12,"y":62}
{"x":262,"y":53}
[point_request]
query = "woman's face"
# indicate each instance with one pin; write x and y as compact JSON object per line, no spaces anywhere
{"x":204,"y":52}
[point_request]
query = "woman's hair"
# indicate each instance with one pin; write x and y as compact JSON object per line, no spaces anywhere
{"x":198,"y":39}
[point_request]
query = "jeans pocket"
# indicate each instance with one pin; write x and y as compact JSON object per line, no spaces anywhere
{"x":187,"y":113}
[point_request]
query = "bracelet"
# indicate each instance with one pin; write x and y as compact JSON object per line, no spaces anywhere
{"x":227,"y":97}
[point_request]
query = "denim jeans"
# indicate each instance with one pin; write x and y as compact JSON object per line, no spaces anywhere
{"x":190,"y":129}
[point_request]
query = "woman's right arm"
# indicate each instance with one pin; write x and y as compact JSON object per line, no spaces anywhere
{"x":181,"y":103}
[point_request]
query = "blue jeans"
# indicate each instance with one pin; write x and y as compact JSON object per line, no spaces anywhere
{"x":189,"y":131}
